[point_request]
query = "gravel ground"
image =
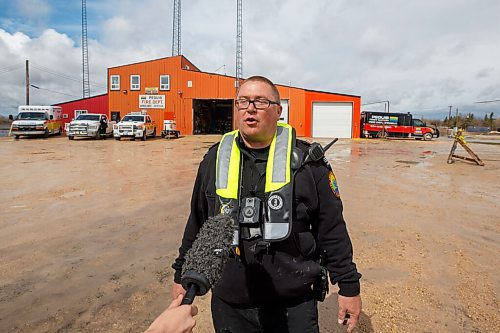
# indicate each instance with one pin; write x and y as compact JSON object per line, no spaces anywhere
{"x":88,"y":231}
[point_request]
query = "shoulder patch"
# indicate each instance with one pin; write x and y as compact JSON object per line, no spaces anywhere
{"x":332,"y":181}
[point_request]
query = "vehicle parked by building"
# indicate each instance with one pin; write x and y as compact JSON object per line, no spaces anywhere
{"x":90,"y":125}
{"x":170,"y":128}
{"x":403,"y":125}
{"x":135,"y":125}
{"x":36,"y":120}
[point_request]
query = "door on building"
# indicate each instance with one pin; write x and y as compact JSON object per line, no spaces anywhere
{"x":212,"y":116}
{"x":331,"y":120}
{"x":284,"y":113}
{"x":115,"y":116}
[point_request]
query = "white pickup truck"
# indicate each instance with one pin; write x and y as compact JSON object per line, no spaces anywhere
{"x":90,"y":125}
{"x":135,"y":125}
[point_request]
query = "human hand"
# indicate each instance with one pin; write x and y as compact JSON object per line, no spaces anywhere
{"x":350,"y":306}
{"x":177,"y":290}
{"x":176,"y":319}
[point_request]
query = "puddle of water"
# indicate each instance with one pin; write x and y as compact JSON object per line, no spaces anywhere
{"x":408,"y":162}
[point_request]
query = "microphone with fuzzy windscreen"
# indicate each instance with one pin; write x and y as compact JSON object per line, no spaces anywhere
{"x":207,"y":257}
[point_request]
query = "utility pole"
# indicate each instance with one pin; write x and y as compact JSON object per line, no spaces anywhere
{"x":456,"y":117}
{"x":85,"y":52}
{"x":27,"y":83}
{"x":449,"y":116}
{"x":239,"y":42}
{"x":176,"y":29}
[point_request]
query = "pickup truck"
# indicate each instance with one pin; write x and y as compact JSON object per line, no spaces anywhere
{"x":90,"y":125}
{"x":135,"y":125}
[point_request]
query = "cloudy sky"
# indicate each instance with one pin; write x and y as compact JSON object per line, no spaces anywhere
{"x":421,"y":55}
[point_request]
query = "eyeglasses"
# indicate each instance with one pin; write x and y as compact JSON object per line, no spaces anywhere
{"x":259,"y":103}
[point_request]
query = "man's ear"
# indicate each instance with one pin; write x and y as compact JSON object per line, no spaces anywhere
{"x":280,"y":110}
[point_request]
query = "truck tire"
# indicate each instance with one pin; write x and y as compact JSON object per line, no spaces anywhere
{"x":46,"y":133}
{"x":117,"y":138}
{"x":16,"y":137}
{"x":70,"y":137}
{"x":60,"y":131}
{"x":144,"y":135}
{"x":154,"y":133}
{"x":177,"y":134}
{"x":427,"y":136}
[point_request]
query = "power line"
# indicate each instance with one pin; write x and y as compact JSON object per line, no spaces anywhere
{"x":53,"y":91}
{"x":61,"y":75}
{"x":492,"y":101}
{"x":6,"y":70}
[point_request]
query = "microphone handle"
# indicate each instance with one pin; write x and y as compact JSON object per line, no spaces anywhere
{"x":190,"y":294}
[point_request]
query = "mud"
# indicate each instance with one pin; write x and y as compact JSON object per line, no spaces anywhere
{"x":88,"y":230}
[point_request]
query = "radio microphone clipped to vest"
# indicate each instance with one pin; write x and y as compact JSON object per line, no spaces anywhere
{"x":317,"y":152}
{"x":205,"y":260}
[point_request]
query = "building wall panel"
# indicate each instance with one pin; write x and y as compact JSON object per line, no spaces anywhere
{"x":96,"y":104}
{"x":188,"y":83}
{"x":314,"y":96}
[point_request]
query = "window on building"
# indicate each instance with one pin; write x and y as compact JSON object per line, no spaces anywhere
{"x":164,"y":82}
{"x":79,"y":112}
{"x":135,"y":82}
{"x":115,"y":82}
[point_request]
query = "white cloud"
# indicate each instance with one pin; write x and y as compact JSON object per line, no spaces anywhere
{"x":419,"y":55}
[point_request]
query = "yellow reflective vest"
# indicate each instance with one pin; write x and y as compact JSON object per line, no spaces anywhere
{"x":278,"y":188}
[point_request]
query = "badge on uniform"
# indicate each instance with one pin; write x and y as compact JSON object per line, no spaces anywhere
{"x":332,"y":181}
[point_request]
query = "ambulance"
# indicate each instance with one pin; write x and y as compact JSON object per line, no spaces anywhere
{"x":37,"y":120}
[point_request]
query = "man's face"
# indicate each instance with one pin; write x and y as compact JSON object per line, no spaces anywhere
{"x":257,"y":127}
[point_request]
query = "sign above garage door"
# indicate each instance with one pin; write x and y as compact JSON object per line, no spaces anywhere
{"x":331,"y":120}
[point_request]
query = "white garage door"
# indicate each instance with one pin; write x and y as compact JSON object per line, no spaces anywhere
{"x":331,"y":120}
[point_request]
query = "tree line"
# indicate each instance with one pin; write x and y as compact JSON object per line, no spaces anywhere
{"x":463,"y":121}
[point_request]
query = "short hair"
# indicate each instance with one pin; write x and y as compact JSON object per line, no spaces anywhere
{"x":257,"y":78}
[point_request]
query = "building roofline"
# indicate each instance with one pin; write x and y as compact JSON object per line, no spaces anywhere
{"x":152,"y":60}
{"x":329,"y":92}
{"x":232,"y":77}
{"x":80,"y":99}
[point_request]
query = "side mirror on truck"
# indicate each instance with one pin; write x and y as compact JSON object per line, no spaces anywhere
{"x":11,"y":117}
{"x":51,"y":117}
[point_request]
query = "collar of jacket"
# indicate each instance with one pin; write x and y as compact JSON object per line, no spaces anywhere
{"x":278,"y":170}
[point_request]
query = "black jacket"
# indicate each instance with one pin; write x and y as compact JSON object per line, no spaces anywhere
{"x":286,"y":270}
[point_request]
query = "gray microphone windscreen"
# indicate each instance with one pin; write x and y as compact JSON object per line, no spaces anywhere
{"x":209,"y":251}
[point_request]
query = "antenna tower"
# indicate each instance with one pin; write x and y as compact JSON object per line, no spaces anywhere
{"x":176,"y":35}
{"x":239,"y":42}
{"x":85,"y":52}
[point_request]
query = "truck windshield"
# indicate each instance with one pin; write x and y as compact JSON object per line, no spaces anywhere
{"x":32,"y":116}
{"x":94,"y":117}
{"x":133,"y":118}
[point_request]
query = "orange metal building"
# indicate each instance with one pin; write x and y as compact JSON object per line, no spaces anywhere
{"x":200,"y":102}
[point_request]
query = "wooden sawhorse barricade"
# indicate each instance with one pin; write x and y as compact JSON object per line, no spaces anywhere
{"x":460,"y":139}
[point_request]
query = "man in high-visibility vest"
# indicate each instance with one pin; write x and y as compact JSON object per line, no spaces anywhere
{"x":286,"y":202}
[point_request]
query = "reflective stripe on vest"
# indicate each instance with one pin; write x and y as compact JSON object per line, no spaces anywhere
{"x":228,"y":166}
{"x":278,"y":169}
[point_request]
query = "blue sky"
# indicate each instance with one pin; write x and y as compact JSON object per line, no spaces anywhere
{"x":34,"y":16}
{"x":421,"y":55}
